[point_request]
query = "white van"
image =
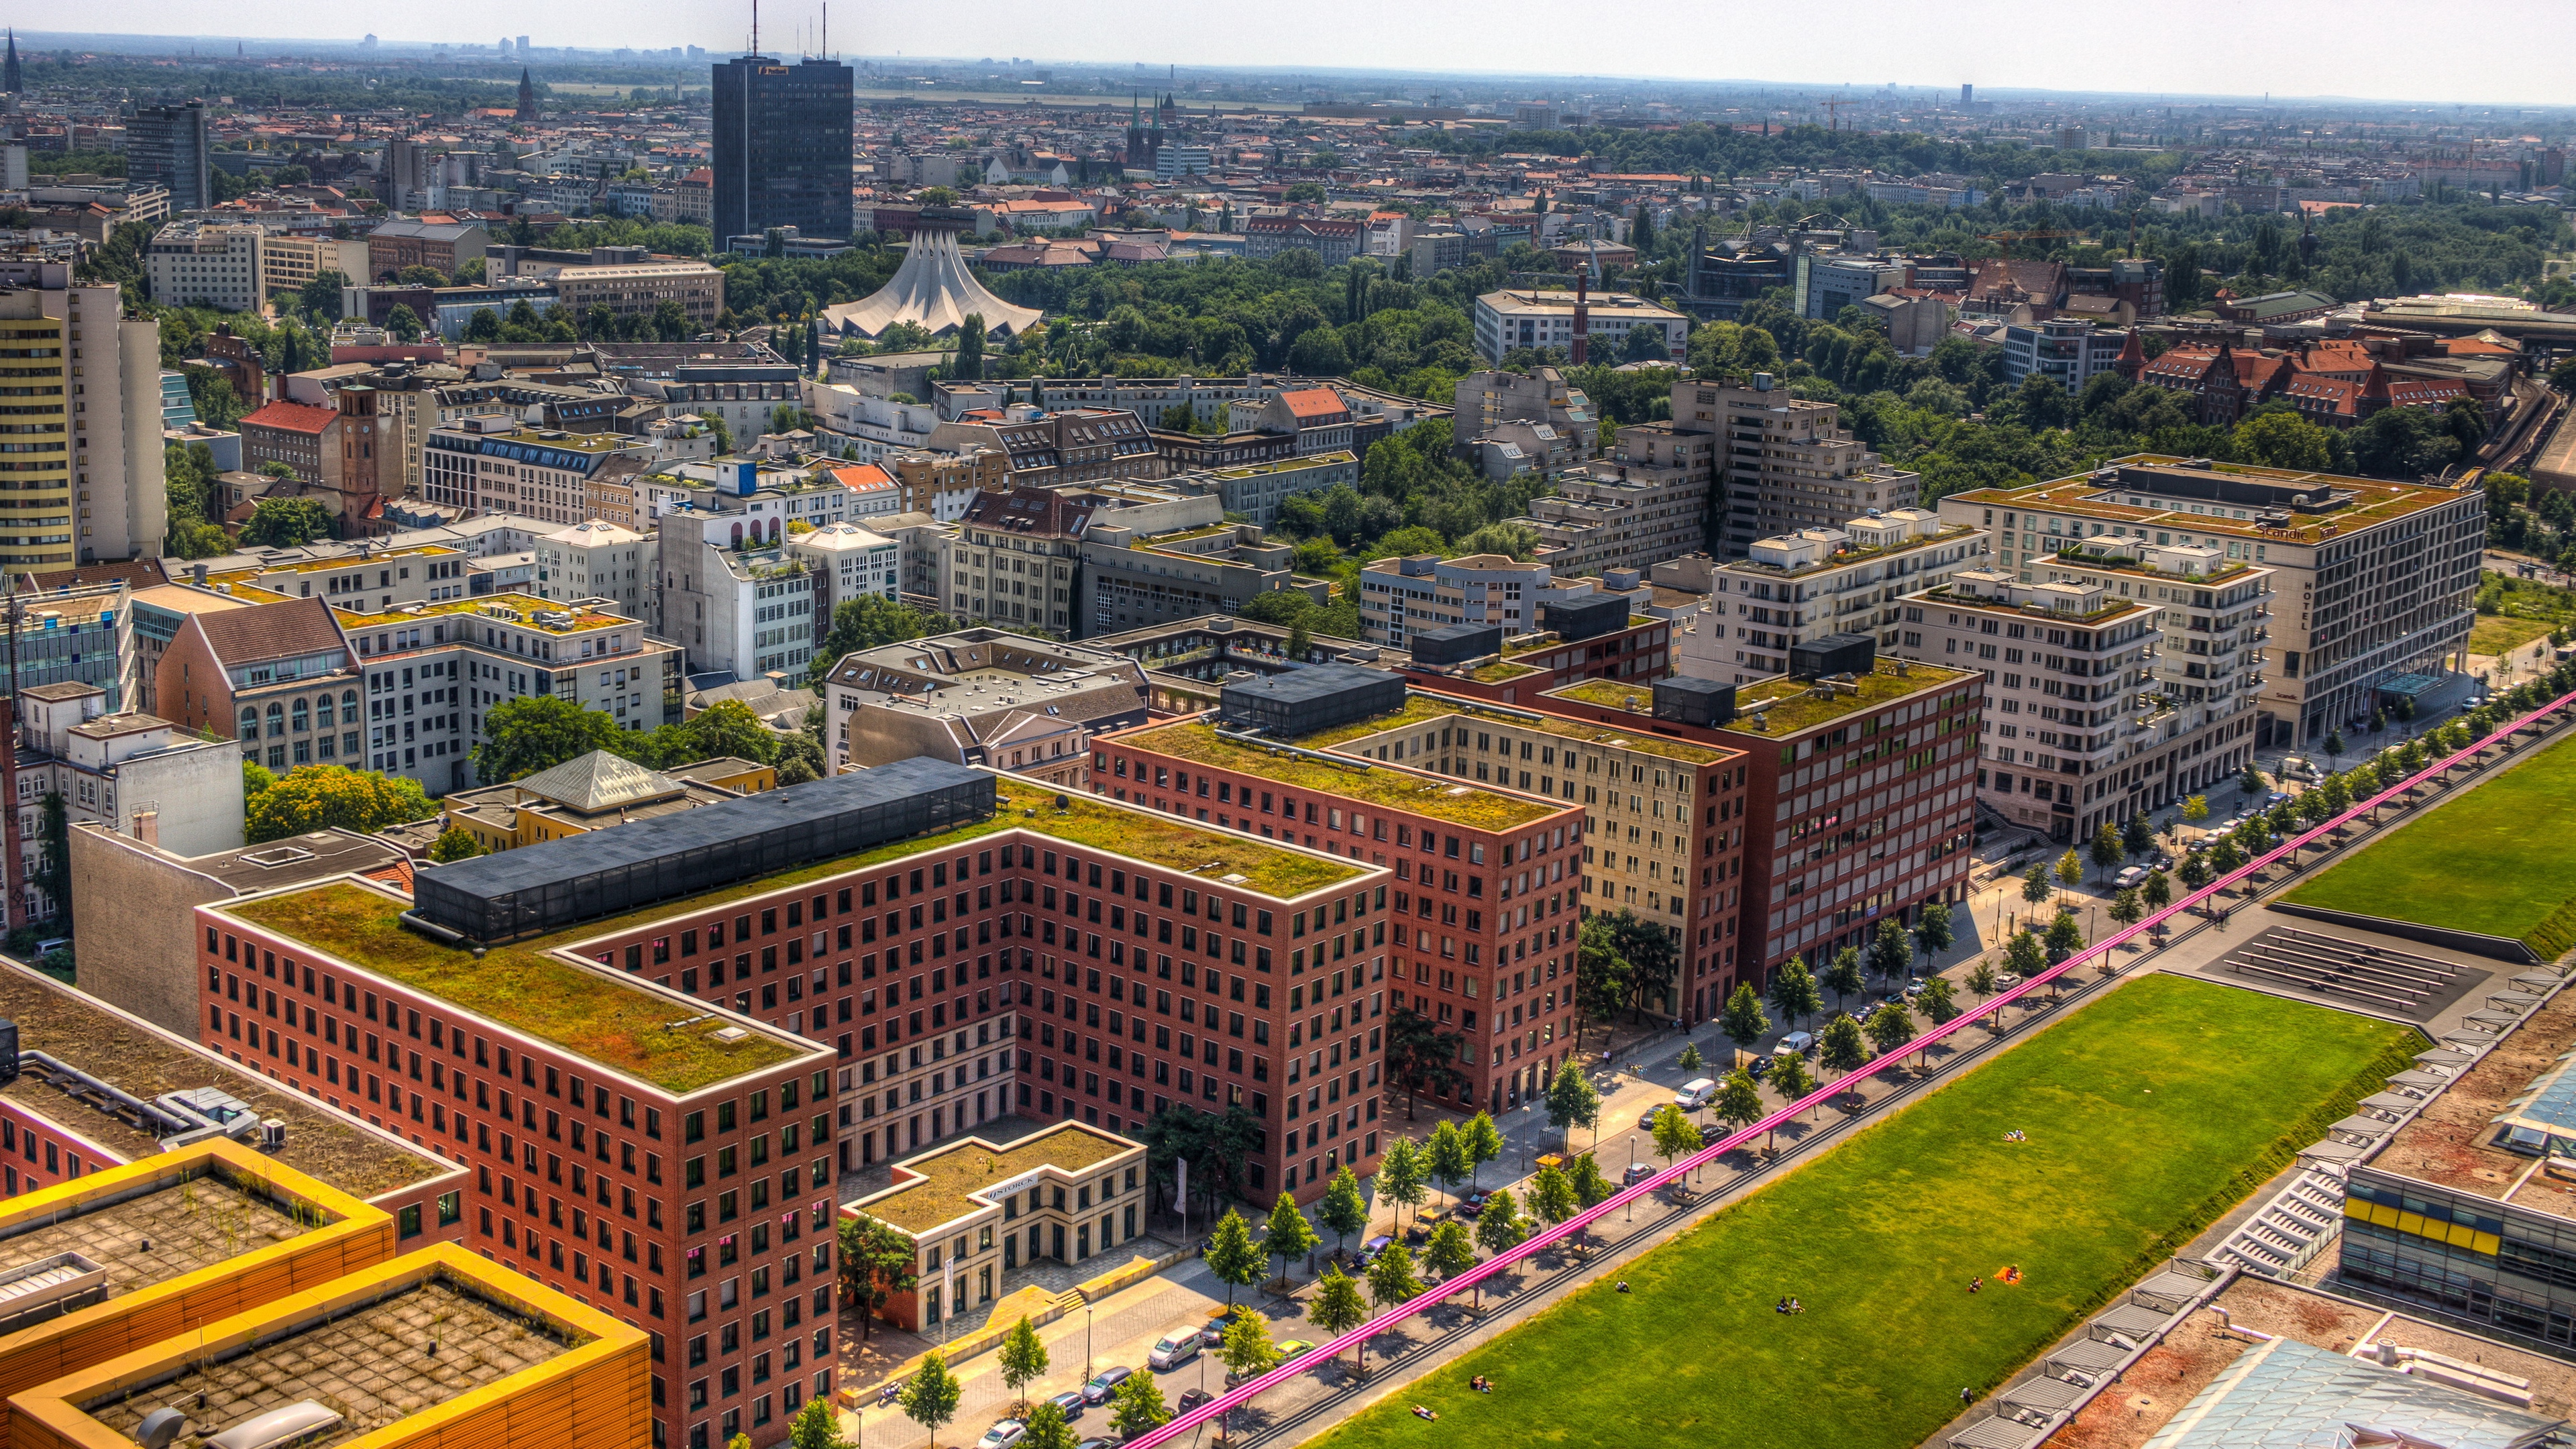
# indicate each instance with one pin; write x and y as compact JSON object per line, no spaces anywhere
{"x":2128,"y":877}
{"x":1795,"y":1044}
{"x":1695,"y":1094}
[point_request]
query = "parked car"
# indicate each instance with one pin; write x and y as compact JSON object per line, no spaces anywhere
{"x":1637,"y":1172}
{"x":2275,"y":798}
{"x":1913,"y":986}
{"x":1695,"y":1093}
{"x":1175,"y":1348}
{"x":1796,"y":1043}
{"x":1191,"y":1399}
{"x":1097,"y":1443}
{"x":1070,"y":1401}
{"x":1473,"y":1203}
{"x":1374,"y":1246}
{"x":2007,"y":981}
{"x":2128,"y":877}
{"x":1105,"y":1383}
{"x":1294,"y":1349}
{"x":1003,"y":1435}
{"x":1219,"y":1321}
{"x":1709,"y":1132}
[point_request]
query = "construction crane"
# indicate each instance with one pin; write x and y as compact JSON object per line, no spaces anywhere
{"x":1833,"y":113}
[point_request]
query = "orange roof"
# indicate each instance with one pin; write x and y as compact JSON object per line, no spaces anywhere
{"x":1313,"y":402}
{"x":292,"y":417}
{"x":861,"y":475}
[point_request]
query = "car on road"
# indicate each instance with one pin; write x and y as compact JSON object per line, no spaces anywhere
{"x":1003,"y":1435}
{"x":1709,"y":1132}
{"x":1191,"y":1399}
{"x":1796,"y":1043}
{"x":1374,"y":1246}
{"x":2128,"y":877}
{"x":1219,"y":1321}
{"x":1097,"y":1443}
{"x":1175,"y":1348}
{"x":1291,"y":1350}
{"x":1637,"y":1172}
{"x":1070,"y":1401}
{"x":2275,"y":798}
{"x":1695,"y":1093}
{"x":1105,"y":1383}
{"x":1473,"y":1203}
{"x":1914,"y":986}
{"x":2007,"y":981}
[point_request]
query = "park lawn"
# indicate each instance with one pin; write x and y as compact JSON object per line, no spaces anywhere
{"x":2499,"y":633}
{"x":2494,"y":859}
{"x":2148,"y":1113}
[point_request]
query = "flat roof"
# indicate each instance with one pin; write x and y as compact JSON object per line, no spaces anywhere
{"x":2451,"y":1142}
{"x":375,"y":1365}
{"x":941,"y":1180}
{"x":2372,"y":500}
{"x":145,"y":1062}
{"x":1383,"y":787}
{"x":205,"y":1219}
{"x":316,"y":855}
{"x":1793,"y":704}
{"x":1426,"y":708}
{"x":609,"y":1018}
{"x":1850,"y":555}
{"x":528,"y":606}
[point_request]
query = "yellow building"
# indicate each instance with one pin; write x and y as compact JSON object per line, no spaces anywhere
{"x":436,"y":1348}
{"x":594,"y":792}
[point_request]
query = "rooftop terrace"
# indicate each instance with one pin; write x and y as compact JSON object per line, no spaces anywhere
{"x":205,"y":1219}
{"x":2363,"y":501}
{"x":940,"y":1181}
{"x":528,"y":606}
{"x":608,"y":1018}
{"x":1474,"y":806}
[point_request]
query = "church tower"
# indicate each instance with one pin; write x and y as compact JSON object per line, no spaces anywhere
{"x":527,"y":96}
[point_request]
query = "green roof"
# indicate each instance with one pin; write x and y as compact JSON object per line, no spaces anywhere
{"x":1367,"y":784}
{"x":1794,"y":704}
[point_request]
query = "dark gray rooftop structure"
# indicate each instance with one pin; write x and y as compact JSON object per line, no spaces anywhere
{"x":1456,"y":643}
{"x":1691,"y":700}
{"x":601,"y":873}
{"x":1585,"y":618}
{"x":1303,"y":701}
{"x":1833,"y":654}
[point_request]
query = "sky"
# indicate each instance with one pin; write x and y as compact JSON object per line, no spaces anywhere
{"x":2487,"y":51}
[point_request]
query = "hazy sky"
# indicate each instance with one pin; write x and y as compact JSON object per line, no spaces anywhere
{"x":2507,"y":51}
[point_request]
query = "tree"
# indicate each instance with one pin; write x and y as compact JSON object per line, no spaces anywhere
{"x":1048,"y":1428}
{"x":1232,"y":1255}
{"x":1604,"y":972}
{"x":1451,"y":1251}
{"x":1932,"y":928}
{"x":1891,"y":950}
{"x":1844,"y":977}
{"x":1024,"y":1359}
{"x":2195,"y":872}
{"x":1674,"y":1134}
{"x":1743,"y":1021}
{"x":1290,"y":1235}
{"x":403,"y":323}
{"x":1137,"y":1407}
{"x":2070,"y":870}
{"x":2284,"y":440}
{"x":2252,"y":781}
{"x":816,"y":1427}
{"x":1401,"y":1178}
{"x":1940,"y":1000}
{"x":1484,"y":1143}
{"x":1500,"y":1227}
{"x":1246,"y":1349}
{"x":2024,"y":953}
{"x":2106,"y":849}
{"x":1981,"y":979}
{"x":1552,"y":1196}
{"x":728,"y":727}
{"x":1390,"y":1277}
{"x":1690,"y":1059}
{"x":1789,"y":1077}
{"x":1738,"y":1103}
{"x":2137,"y":837}
{"x":2195,"y":810}
{"x":1590,"y":1187}
{"x":866,"y":622}
{"x":2065,"y":936}
{"x":286,"y":523}
{"x":876,"y":1264}
{"x":320,"y":297}
{"x":1447,"y":1155}
{"x":1891,"y":1026}
{"x":1336,"y":1308}
{"x":2334,"y":744}
{"x":325,"y":797}
{"x":455,"y":843}
{"x":1840,"y":1048}
{"x":1343,"y":1209}
{"x":1421,"y":1057}
{"x":930,"y":1398}
{"x":968,"y":364}
{"x":2158,"y":891}
{"x":2124,"y":907}
{"x":1793,"y":995}
{"x":539,"y":732}
{"x":2034,"y":884}
{"x":1571,"y":1102}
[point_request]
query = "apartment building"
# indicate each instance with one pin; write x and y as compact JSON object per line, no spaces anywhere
{"x":1799,"y":587}
{"x":738,"y":606}
{"x":441,"y":246}
{"x":597,"y":560}
{"x":983,"y":697}
{"x":1485,"y":401}
{"x":2067,"y":351}
{"x":1480,"y":871}
{"x":1859,"y":801}
{"x":1646,"y":502}
{"x":1785,"y":463}
{"x":847,"y":562}
{"x":1017,"y":559}
{"x":196,"y":264}
{"x":1584,"y":630}
{"x":2374,"y":584}
{"x":942,"y":484}
{"x":499,"y":465}
{"x":632,"y":289}
{"x":1509,"y":320}
{"x":1132,"y":579}
{"x":1255,"y":490}
{"x":754,"y":965}
{"x":127,"y":771}
{"x":1049,"y":449}
{"x":106,"y":449}
{"x":288,"y":261}
{"x":1403,"y":597}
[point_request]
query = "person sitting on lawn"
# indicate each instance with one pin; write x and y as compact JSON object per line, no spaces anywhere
{"x":1420,"y":1412}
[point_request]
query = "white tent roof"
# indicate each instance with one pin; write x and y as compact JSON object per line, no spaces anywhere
{"x":933,"y":290}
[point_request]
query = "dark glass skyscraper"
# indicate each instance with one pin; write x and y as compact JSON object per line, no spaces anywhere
{"x":782,"y":147}
{"x":166,"y":146}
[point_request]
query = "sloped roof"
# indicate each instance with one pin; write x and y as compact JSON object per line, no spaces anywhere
{"x":1313,"y":402}
{"x":282,"y":630}
{"x":933,"y":290}
{"x":599,"y":781}
{"x":292,"y":417}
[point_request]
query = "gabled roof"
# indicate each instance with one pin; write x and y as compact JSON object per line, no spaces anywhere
{"x":1313,"y":402}
{"x":284,"y":630}
{"x":292,"y":417}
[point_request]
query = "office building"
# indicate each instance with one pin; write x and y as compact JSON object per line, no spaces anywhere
{"x":108,"y":448}
{"x":1047,"y":449}
{"x":441,"y":246}
{"x":166,"y":146}
{"x":1799,"y":587}
{"x":1785,"y":463}
{"x":1132,"y":579}
{"x":198,"y":265}
{"x":287,"y":261}
{"x":638,"y":289}
{"x":1644,"y":502}
{"x":781,"y":146}
{"x":596,"y":560}
{"x":740,"y":607}
{"x":1507,"y":321}
{"x":846,"y":563}
{"x":1017,"y":559}
{"x":982,"y":697}
{"x":2373,"y":583}
{"x":2066,"y":351}
{"x":127,"y":771}
{"x":499,"y":465}
{"x":1400,"y":598}
{"x":1486,"y":401}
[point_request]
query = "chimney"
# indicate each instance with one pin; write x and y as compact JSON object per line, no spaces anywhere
{"x":147,"y":827}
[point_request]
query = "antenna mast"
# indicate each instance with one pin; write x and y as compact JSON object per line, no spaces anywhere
{"x":755,"y":27}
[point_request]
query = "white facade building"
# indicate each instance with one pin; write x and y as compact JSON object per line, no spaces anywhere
{"x":193,"y":265}
{"x":595,"y":560}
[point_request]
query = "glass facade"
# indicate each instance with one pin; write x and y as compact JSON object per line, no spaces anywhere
{"x":2462,"y":1253}
{"x":782,"y":147}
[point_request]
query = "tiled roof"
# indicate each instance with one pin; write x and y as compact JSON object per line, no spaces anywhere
{"x":282,"y":630}
{"x":1313,"y":402}
{"x":292,"y":417}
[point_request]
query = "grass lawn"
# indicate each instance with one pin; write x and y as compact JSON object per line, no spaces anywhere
{"x":2497,"y":633}
{"x":2494,"y":860}
{"x":2148,"y":1114}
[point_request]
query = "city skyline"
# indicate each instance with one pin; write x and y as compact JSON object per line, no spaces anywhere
{"x":2290,"y":53}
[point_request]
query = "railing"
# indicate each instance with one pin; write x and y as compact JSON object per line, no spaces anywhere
{"x":1506,"y":1262}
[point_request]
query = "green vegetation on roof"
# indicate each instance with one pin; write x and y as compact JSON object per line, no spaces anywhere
{"x":1382,"y":787}
{"x":1501,"y":671}
{"x":939,"y":1195}
{"x":1795,"y":705}
{"x":1181,"y":845}
{"x":592,"y":1014}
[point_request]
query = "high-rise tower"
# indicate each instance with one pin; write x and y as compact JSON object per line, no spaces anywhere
{"x":782,"y":148}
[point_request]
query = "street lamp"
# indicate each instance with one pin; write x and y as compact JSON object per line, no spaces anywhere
{"x":1629,"y":1213}
{"x":1086,"y":1344}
